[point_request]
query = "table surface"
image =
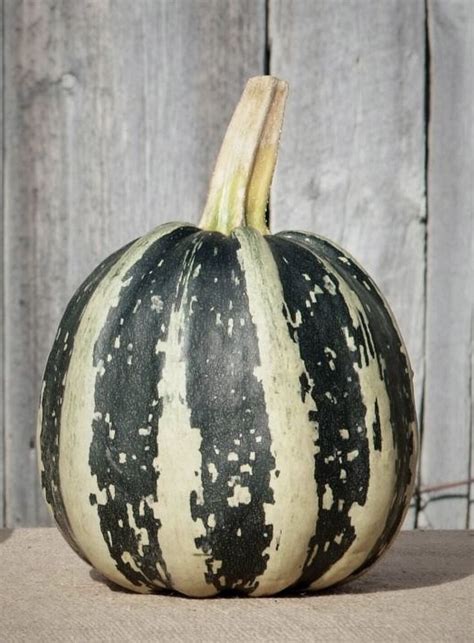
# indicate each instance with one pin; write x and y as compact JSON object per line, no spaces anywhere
{"x":422,"y":590}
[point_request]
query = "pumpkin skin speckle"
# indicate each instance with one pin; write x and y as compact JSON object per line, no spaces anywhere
{"x":228,"y":412}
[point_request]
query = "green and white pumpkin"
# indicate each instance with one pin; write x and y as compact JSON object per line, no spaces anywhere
{"x":226,"y":409}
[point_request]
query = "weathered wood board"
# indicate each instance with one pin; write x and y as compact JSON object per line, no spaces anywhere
{"x":448,"y":404}
{"x":352,"y":154}
{"x":114,"y":114}
{"x":2,"y":386}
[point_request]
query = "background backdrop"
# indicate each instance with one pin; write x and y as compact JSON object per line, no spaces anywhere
{"x":113,"y":113}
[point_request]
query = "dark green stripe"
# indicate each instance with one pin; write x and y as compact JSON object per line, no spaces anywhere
{"x":228,"y":408}
{"x":126,"y":400}
{"x":393,"y":369}
{"x":336,"y":391}
{"x":54,"y":377}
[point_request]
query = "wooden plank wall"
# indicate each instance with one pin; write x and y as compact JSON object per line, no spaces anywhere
{"x":113,"y":116}
{"x":352,"y":158}
{"x":114,"y":113}
{"x":2,"y":245}
{"x":450,"y":274}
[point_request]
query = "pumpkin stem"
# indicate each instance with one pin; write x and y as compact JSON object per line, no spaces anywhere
{"x":240,"y":185}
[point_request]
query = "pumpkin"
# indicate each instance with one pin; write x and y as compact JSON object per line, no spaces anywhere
{"x":228,"y":410}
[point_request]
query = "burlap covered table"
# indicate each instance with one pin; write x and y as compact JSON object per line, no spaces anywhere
{"x":422,"y":590}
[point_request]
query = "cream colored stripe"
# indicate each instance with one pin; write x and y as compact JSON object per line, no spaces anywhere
{"x":368,"y":520}
{"x":293,"y":514}
{"x":78,"y":410}
{"x":413,"y":428}
{"x":179,"y":459}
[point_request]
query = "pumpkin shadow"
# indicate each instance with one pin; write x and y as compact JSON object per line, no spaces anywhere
{"x":412,"y":563}
{"x":405,"y":566}
{"x":98,"y":578}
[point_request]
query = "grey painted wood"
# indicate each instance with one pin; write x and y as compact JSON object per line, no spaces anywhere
{"x":446,"y":440}
{"x":2,"y":455}
{"x":470,"y":509}
{"x":352,"y":156}
{"x":114,"y":115}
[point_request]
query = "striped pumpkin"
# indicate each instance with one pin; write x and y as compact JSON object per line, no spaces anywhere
{"x":225,"y":409}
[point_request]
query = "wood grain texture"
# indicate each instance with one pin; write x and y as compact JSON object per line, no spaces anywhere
{"x":470,"y":508}
{"x":2,"y":300}
{"x":352,"y":153}
{"x":420,"y":591}
{"x":114,"y":113}
{"x":446,"y":439}
{"x":114,"y":116}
